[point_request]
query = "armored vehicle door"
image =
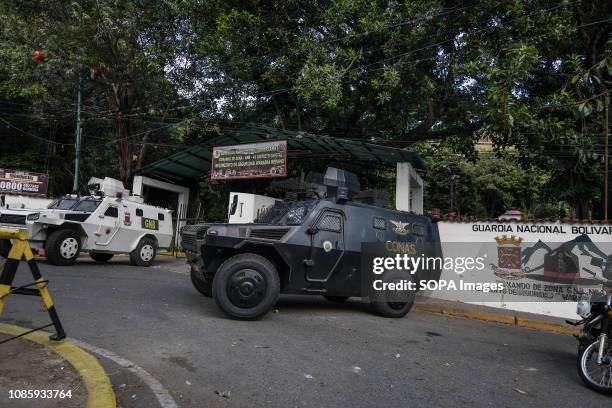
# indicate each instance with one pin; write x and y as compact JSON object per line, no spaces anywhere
{"x":327,"y":245}
{"x":109,"y":220}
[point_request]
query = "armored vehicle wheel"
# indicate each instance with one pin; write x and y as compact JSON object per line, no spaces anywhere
{"x":144,"y":254}
{"x":5,"y":247}
{"x":336,"y":299}
{"x":392,"y":303}
{"x":246,"y":286}
{"x":100,"y":256}
{"x":200,"y":285}
{"x":392,"y":309}
{"x":62,"y":247}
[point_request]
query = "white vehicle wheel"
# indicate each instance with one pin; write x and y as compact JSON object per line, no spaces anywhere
{"x":144,"y":254}
{"x":69,"y":248}
{"x":62,"y":247}
{"x":147,"y":252}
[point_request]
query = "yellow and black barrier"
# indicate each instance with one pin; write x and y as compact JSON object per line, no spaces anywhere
{"x":19,"y":251}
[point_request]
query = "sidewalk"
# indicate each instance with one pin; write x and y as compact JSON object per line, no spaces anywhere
{"x":45,"y":373}
{"x":25,"y":365}
{"x":493,"y":314}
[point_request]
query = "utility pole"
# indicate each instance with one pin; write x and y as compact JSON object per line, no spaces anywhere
{"x":77,"y":133}
{"x":606,"y":160}
{"x":453,"y":178}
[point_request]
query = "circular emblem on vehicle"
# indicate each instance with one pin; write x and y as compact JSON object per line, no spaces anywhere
{"x":327,"y":246}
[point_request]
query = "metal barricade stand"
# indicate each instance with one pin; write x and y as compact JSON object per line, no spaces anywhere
{"x":20,"y":250}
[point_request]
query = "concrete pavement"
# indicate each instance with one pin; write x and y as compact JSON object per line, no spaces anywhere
{"x":310,"y":353}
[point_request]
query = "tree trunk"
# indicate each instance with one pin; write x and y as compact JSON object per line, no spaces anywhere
{"x":124,"y":100}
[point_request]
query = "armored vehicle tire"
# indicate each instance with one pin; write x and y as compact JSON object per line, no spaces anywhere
{"x":201,"y":286}
{"x":5,"y":247}
{"x":391,"y":303}
{"x":246,"y":286}
{"x":336,"y":299}
{"x":145,"y":252}
{"x":392,"y":309}
{"x":62,"y":247}
{"x":100,"y":256}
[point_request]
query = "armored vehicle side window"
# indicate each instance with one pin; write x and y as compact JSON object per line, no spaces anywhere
{"x":379,"y":223}
{"x":139,"y":212}
{"x":87,"y":205}
{"x":330,"y":222}
{"x":418,"y":229}
{"x":112,"y":212}
{"x":160,"y":216}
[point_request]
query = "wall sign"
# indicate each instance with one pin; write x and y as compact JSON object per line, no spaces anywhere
{"x":249,"y":160}
{"x":545,"y":267}
{"x":23,"y":182}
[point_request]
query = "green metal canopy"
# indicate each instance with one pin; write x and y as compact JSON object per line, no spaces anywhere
{"x":195,"y":162}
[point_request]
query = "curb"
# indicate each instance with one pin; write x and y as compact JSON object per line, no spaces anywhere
{"x":100,"y":392}
{"x":498,"y":318}
{"x":179,"y":254}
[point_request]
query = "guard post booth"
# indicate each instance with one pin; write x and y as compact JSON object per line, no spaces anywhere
{"x":186,"y":167}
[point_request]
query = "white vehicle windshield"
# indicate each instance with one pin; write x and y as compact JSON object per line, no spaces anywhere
{"x":87,"y":205}
{"x":84,"y":204}
{"x":63,"y":204}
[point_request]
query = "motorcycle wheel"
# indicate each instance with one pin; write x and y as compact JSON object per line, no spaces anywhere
{"x":596,"y":377}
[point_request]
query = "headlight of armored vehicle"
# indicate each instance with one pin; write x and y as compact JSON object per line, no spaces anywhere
{"x":583,"y":309}
{"x":33,"y":216}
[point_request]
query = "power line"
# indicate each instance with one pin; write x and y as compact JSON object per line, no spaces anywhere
{"x":31,"y":135}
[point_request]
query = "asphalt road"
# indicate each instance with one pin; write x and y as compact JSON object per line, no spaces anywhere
{"x":310,"y":353}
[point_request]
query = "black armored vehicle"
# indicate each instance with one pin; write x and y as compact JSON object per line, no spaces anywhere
{"x":311,"y":246}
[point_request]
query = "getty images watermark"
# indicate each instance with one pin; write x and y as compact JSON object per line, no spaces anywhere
{"x":410,"y":265}
{"x":505,"y":269}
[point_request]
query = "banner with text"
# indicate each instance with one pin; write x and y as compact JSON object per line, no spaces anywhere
{"x":23,"y":182}
{"x":249,"y":160}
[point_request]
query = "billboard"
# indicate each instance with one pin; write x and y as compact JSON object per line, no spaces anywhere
{"x":23,"y":182}
{"x":249,"y":160}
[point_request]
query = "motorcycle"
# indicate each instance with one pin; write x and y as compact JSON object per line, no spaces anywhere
{"x":595,"y":348}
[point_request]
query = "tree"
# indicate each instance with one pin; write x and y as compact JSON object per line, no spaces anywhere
{"x":403,"y":72}
{"x":129,"y":45}
{"x":531,"y":77}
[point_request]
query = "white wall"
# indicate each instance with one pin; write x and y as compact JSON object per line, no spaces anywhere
{"x":408,"y":189}
{"x":183,"y":192}
{"x":531,"y":290}
{"x":22,"y":201}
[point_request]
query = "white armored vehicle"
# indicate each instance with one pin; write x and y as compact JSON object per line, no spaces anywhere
{"x":107,"y":222}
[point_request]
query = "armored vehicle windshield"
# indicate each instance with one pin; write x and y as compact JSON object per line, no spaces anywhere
{"x":286,"y":213}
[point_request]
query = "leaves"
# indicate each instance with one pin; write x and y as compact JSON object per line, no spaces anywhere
{"x":529,"y":76}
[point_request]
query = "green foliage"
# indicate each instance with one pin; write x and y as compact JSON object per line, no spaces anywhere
{"x":485,"y":188}
{"x":531,"y":77}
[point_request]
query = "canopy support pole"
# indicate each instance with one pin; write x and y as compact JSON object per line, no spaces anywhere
{"x":408,"y":189}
